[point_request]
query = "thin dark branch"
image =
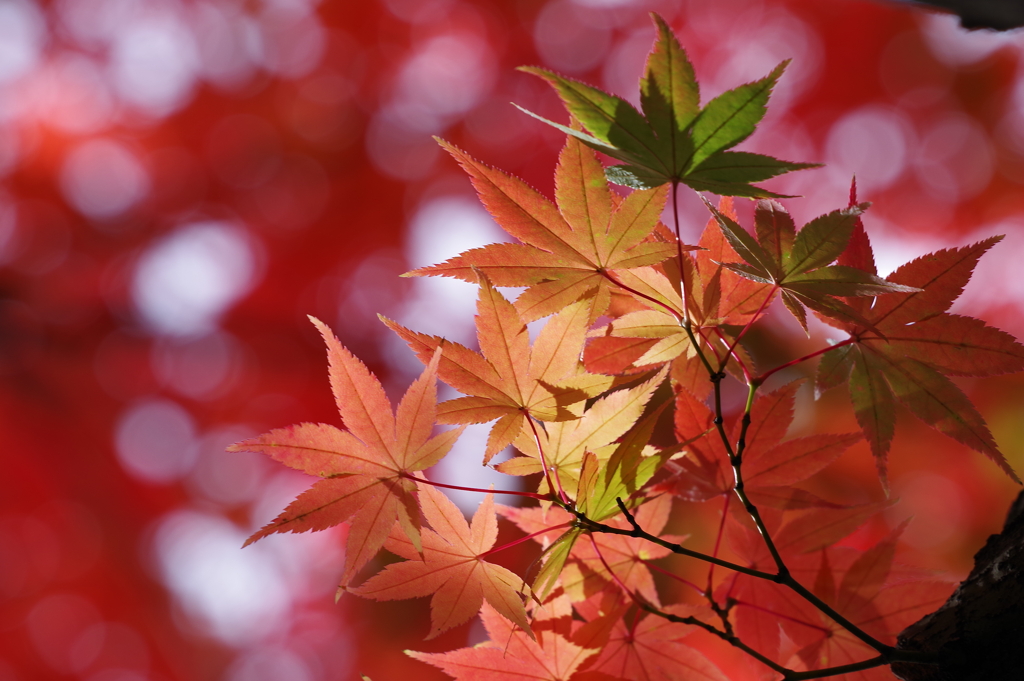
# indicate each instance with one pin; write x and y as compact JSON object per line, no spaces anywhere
{"x":763,"y":377}
{"x":736,"y":462}
{"x":671,"y":310}
{"x":594,"y":526}
{"x":788,"y":674}
{"x":683,"y":293}
{"x":725,"y":636}
{"x":824,"y":607}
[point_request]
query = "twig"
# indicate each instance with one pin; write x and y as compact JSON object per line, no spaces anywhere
{"x":736,"y":462}
{"x":671,"y":310}
{"x":763,"y":377}
{"x":638,"y":532}
{"x":728,"y":637}
{"x":532,"y":495}
{"x":789,"y":674}
{"x":746,"y":327}
{"x":543,"y":462}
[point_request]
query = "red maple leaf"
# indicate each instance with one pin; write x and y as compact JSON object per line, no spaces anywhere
{"x":862,"y":586}
{"x":511,"y":655}
{"x":911,"y":348}
{"x":771,"y":465}
{"x":651,"y":649}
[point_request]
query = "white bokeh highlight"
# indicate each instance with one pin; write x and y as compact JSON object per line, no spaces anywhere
{"x":873,"y":143}
{"x":22,"y":38}
{"x":237,"y":596}
{"x":954,"y":160}
{"x":758,"y":42}
{"x":200,"y":368}
{"x":70,"y":93}
{"x":269,"y":663}
{"x":565,"y":41}
{"x":185,"y":281}
{"x":959,"y":48}
{"x":227,"y":43}
{"x":228,"y":478}
{"x":441,"y":229}
{"x":103,"y":178}
{"x":154,"y":64}
{"x":446,"y":76}
{"x":291,"y":40}
{"x":155,"y":441}
{"x":443,"y":78}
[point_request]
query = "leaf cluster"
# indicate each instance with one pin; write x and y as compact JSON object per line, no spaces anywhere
{"x":615,"y":413}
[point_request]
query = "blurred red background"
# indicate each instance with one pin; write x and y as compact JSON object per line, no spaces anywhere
{"x":183,"y":181}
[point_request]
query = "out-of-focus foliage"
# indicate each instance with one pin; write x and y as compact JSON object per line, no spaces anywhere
{"x":181,"y":182}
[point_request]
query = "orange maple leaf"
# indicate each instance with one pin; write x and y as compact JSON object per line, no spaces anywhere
{"x":566,"y":252}
{"x":512,"y":381}
{"x":365,"y":469}
{"x":452,"y":569}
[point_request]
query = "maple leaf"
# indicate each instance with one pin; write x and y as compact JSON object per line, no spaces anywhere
{"x":365,"y":468}
{"x":718,"y":295}
{"x":815,"y":529}
{"x":605,"y":354}
{"x":797,"y":263}
{"x":651,"y":650}
{"x":671,"y":339}
{"x":717,"y":299}
{"x":771,"y":465}
{"x":603,"y":486}
{"x":566,"y":252}
{"x":622,"y":556}
{"x":511,"y":655}
{"x":546,"y":524}
{"x":907,"y":347}
{"x":452,"y":570}
{"x":863,"y":586}
{"x":562,"y":445}
{"x":511,"y":381}
{"x":674,"y":140}
{"x":582,"y":568}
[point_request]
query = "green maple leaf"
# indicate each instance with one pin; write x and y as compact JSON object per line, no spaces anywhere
{"x":674,"y":139}
{"x":628,"y":469}
{"x":797,"y":263}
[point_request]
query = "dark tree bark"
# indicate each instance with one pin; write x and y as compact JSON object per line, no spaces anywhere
{"x":1001,"y":15}
{"x":979,"y":632}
